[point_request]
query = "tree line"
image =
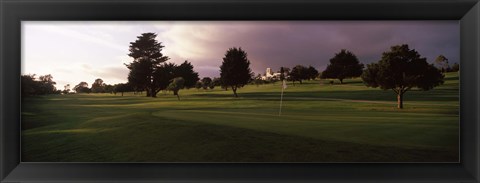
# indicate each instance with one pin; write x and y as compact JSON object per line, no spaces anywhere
{"x":43,"y":85}
{"x":400,"y":69}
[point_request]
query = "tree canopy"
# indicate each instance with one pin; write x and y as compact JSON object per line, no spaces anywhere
{"x":442,"y":63}
{"x":312,"y":73}
{"x":235,"y":70}
{"x":400,"y":70}
{"x":185,"y":71}
{"x":206,"y":82}
{"x":98,"y":86}
{"x":147,"y":57}
{"x":299,"y":73}
{"x":343,"y":65}
{"x":41,"y":86}
{"x":122,"y":87}
{"x":82,"y":87}
{"x":163,"y":76}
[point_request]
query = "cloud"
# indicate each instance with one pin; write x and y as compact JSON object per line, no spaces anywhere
{"x":79,"y":32}
{"x":84,"y":51}
{"x":276,"y":44}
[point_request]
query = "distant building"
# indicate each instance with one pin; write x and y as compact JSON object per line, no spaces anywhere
{"x":269,"y":74}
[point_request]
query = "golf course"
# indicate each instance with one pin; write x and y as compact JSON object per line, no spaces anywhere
{"x":319,"y":122}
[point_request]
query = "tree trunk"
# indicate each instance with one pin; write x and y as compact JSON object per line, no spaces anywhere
{"x":153,"y":93}
{"x":148,"y":92}
{"x":341,"y":81}
{"x":400,"y":100}
{"x":122,"y":94}
{"x":234,"y":91}
{"x":175,"y":92}
{"x":300,"y":81}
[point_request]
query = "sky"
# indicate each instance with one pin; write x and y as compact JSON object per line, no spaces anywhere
{"x":75,"y":51}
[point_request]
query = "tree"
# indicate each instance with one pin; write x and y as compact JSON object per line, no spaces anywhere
{"x":282,"y":74}
{"x":164,"y":74}
{"x":235,"y":70}
{"x":46,"y":85}
{"x":299,"y":73}
{"x":206,"y":82}
{"x":82,"y":87}
{"x":198,"y":85}
{"x":66,"y":89}
{"x":29,"y":85}
{"x":185,"y":70}
{"x":216,"y":82}
{"x":400,"y":70}
{"x":121,"y":88}
{"x":98,"y":86}
{"x":455,"y":67}
{"x":146,"y":52}
{"x":176,"y":84}
{"x":108,"y":88}
{"x":42,"y":86}
{"x":312,"y":73}
{"x":343,"y":65}
{"x":442,"y":63}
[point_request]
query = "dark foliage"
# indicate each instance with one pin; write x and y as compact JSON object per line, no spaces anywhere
{"x":146,"y":52}
{"x":343,"y":65}
{"x":122,"y":87}
{"x":41,"y":86}
{"x":185,"y":70}
{"x":402,"y":69}
{"x":206,"y":82}
{"x":82,"y":87}
{"x":235,"y":70}
{"x":312,"y":73}
{"x":98,"y":86}
{"x":299,"y":73}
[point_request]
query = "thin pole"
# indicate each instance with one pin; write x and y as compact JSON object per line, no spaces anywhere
{"x":281,"y":99}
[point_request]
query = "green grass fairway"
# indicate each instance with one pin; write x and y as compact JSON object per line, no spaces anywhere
{"x":319,"y":123}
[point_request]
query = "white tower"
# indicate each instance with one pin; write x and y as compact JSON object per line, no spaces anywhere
{"x":269,"y":72}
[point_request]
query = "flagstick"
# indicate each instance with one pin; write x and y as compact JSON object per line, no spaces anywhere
{"x":281,"y":99}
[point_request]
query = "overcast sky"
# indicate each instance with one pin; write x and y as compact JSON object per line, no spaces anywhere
{"x":83,"y":51}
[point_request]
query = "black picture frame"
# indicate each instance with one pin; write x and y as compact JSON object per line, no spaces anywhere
{"x":12,"y":12}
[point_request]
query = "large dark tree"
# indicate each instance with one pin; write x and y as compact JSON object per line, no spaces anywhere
{"x":166,"y":72}
{"x":299,"y":73}
{"x":235,"y":70}
{"x":163,"y":76}
{"x":98,"y":86}
{"x":82,"y":87}
{"x":400,"y":70}
{"x":42,"y":86}
{"x":185,"y":70}
{"x":29,"y":85}
{"x":343,"y":65}
{"x":146,"y":52}
{"x":312,"y":73}
{"x":47,"y":85}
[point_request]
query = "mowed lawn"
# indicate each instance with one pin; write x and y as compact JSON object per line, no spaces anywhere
{"x":319,"y":123}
